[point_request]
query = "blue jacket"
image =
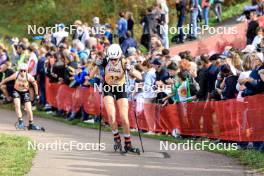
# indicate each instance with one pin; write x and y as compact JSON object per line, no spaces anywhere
{"x":128,"y":43}
{"x":122,"y":27}
{"x":80,"y":78}
{"x":41,"y":68}
{"x":109,"y":36}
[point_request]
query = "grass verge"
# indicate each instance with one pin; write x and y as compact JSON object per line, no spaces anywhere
{"x":16,"y":159}
{"x":252,"y":158}
{"x":228,"y":13}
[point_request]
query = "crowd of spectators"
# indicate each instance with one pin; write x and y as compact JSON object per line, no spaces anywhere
{"x":169,"y":79}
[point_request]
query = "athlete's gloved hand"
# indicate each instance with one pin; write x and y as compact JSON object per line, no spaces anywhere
{"x":37,"y":98}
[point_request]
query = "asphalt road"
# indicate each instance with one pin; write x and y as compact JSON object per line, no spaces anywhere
{"x":153,"y":162}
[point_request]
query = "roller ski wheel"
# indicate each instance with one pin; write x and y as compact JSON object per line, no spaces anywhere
{"x":131,"y":150}
{"x":20,"y":125}
{"x":118,"y":146}
{"x":33,"y":127}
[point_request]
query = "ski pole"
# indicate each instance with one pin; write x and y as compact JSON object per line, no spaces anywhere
{"x":139,"y":134}
{"x":100,"y":121}
{"x":100,"y":115}
{"x":135,"y":114}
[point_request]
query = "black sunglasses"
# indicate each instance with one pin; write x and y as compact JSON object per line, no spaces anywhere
{"x":23,"y":71}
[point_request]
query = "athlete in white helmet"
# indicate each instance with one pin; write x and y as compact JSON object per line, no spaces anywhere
{"x":114,"y":89}
{"x":21,"y":95}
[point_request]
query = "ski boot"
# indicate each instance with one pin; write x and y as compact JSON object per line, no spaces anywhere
{"x":36,"y":127}
{"x":130,"y":149}
{"x":118,"y":144}
{"x":20,"y":124}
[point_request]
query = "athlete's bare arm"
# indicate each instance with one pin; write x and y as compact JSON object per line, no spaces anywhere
{"x":8,"y":79}
{"x":32,"y":80}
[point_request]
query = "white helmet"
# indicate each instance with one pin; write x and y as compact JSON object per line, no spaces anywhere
{"x":114,"y":52}
{"x":23,"y":66}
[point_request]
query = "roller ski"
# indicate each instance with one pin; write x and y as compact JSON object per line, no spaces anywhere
{"x":129,"y":149}
{"x":34,"y":127}
{"x":118,"y":144}
{"x":20,"y":125}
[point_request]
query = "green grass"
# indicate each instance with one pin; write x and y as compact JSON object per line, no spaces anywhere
{"x":228,"y":13}
{"x":15,"y":158}
{"x":232,"y":11}
{"x":252,"y":158}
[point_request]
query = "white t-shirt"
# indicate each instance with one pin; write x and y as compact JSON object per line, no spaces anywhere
{"x":257,"y":40}
{"x":59,"y":36}
{"x":243,"y":75}
{"x":149,"y":82}
{"x":32,"y":64}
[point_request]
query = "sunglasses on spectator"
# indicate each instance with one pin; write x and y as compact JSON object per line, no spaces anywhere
{"x":23,"y":71}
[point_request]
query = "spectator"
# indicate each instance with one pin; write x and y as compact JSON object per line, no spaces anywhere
{"x":82,"y":53}
{"x":32,"y":61}
{"x":8,"y":88}
{"x":164,"y":22}
{"x":41,"y":76}
{"x":254,"y":78}
{"x":228,"y":86}
{"x":58,"y":37}
{"x":51,"y":68}
{"x":173,"y":81}
{"x":3,"y":54}
{"x":79,"y":33}
{"x":193,"y":19}
{"x":108,"y":33}
{"x":130,"y":23}
{"x":148,"y":29}
{"x":129,"y":42}
{"x":20,"y":53}
{"x":258,"y":38}
{"x":181,"y":14}
{"x":122,"y":27}
{"x":252,"y":27}
{"x":211,"y":74}
{"x":247,"y":69}
{"x":97,"y":28}
{"x":149,"y":94}
{"x":201,"y":79}
{"x":181,"y":90}
{"x":217,"y":6}
{"x":206,"y":4}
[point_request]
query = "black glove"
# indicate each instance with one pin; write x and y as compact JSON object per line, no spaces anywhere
{"x":37,"y":98}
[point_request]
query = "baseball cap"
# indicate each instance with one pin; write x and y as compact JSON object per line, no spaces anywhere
{"x":156,"y":61}
{"x":61,"y":26}
{"x":217,"y":56}
{"x":23,"y":46}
